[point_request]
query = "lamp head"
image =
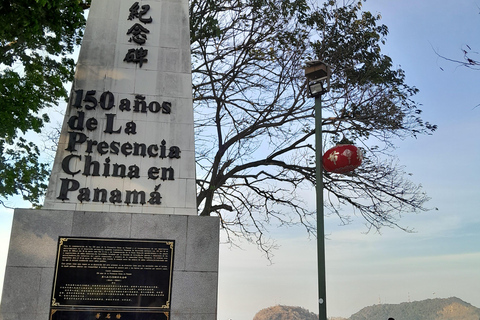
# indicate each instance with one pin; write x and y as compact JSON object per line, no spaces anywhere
{"x":318,"y":76}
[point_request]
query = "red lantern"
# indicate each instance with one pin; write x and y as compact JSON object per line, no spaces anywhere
{"x":342,"y":158}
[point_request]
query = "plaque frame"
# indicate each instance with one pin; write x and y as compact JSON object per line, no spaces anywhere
{"x":106,"y":314}
{"x":113,"y":274}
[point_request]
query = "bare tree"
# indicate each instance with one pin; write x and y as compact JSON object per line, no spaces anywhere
{"x":471,"y":58}
{"x":254,"y":125}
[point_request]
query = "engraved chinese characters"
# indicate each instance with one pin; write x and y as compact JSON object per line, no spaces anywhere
{"x":106,"y":315}
{"x":138,"y":34}
{"x":127,"y":141}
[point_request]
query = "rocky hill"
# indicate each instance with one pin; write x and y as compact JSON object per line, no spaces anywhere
{"x":431,"y":309}
{"x":285,"y":313}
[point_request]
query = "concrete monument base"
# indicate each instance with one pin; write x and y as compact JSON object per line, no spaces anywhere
{"x":27,"y":290}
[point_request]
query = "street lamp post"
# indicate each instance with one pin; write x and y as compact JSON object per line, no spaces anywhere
{"x":318,"y":82}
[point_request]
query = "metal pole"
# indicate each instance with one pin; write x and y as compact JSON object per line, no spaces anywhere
{"x":322,"y":291}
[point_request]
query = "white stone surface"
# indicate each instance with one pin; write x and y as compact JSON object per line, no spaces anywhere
{"x":164,"y":78}
{"x":29,"y":275}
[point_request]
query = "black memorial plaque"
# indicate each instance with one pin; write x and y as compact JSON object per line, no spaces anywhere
{"x":119,"y":273}
{"x":105,"y":314}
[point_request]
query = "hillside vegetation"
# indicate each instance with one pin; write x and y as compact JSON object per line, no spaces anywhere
{"x":285,"y":313}
{"x":431,"y":309}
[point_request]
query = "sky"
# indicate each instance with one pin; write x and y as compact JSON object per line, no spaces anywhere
{"x":442,"y":257}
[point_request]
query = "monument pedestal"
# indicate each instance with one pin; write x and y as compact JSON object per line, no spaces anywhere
{"x":27,"y":290}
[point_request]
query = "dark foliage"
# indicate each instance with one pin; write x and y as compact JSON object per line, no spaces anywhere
{"x":35,"y":40}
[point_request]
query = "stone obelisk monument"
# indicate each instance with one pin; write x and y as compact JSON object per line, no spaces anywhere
{"x":119,"y":236}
